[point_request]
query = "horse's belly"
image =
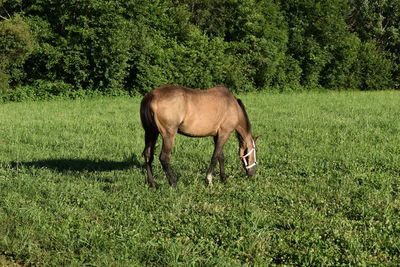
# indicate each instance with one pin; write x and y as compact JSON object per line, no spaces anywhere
{"x":198,"y":128}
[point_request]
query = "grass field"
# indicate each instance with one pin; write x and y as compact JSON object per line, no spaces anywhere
{"x":327,"y":192}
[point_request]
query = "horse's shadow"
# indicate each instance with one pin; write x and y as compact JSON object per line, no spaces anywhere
{"x":78,"y":165}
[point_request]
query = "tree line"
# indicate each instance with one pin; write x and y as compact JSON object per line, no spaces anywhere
{"x":53,"y":47}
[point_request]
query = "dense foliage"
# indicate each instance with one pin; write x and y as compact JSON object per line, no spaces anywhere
{"x":57,"y":47}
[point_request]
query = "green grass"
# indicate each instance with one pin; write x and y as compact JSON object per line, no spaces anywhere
{"x":72,"y":191}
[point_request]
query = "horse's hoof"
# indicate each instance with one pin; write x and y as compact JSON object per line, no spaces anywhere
{"x":153,"y":186}
{"x":223,"y":179}
{"x":208,"y":183}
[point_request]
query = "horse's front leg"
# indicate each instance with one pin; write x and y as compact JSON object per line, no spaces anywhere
{"x":221,"y":160}
{"x":165,"y":156}
{"x":218,"y":155}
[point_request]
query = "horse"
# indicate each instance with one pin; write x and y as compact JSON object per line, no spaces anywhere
{"x":171,"y":109}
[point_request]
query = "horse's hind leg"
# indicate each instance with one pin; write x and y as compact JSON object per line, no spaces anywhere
{"x":165,"y":156}
{"x":148,"y":153}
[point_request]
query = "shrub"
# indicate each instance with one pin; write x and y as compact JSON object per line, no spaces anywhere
{"x":375,"y":67}
{"x":39,"y":90}
{"x":16,"y":43}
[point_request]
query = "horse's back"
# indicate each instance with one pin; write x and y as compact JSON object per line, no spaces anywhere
{"x":173,"y":91}
{"x":170,"y":96}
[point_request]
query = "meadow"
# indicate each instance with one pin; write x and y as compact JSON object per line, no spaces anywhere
{"x":327,"y":189}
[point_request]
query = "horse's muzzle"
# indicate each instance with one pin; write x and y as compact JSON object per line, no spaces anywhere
{"x":251,"y":172}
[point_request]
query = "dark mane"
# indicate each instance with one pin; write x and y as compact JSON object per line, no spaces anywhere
{"x":248,"y":126}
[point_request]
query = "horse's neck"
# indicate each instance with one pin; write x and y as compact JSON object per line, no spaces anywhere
{"x":245,"y":136}
{"x":243,"y":128}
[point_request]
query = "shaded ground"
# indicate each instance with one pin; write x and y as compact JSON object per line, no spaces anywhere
{"x":4,"y":261}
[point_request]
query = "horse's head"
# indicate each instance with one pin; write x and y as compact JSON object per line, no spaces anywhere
{"x":248,"y":156}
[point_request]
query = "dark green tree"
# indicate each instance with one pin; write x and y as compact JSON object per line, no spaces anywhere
{"x":136,"y":45}
{"x":16,"y":43}
{"x":377,"y":22}
{"x":83,"y":43}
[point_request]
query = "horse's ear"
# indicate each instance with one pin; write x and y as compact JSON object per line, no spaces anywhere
{"x":256,"y":138}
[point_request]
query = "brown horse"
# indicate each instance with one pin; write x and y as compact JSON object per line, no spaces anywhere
{"x":171,"y":109}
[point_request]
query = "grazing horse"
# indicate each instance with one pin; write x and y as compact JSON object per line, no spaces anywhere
{"x":171,"y":109}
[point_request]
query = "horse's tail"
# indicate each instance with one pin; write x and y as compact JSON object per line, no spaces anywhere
{"x":146,"y":114}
